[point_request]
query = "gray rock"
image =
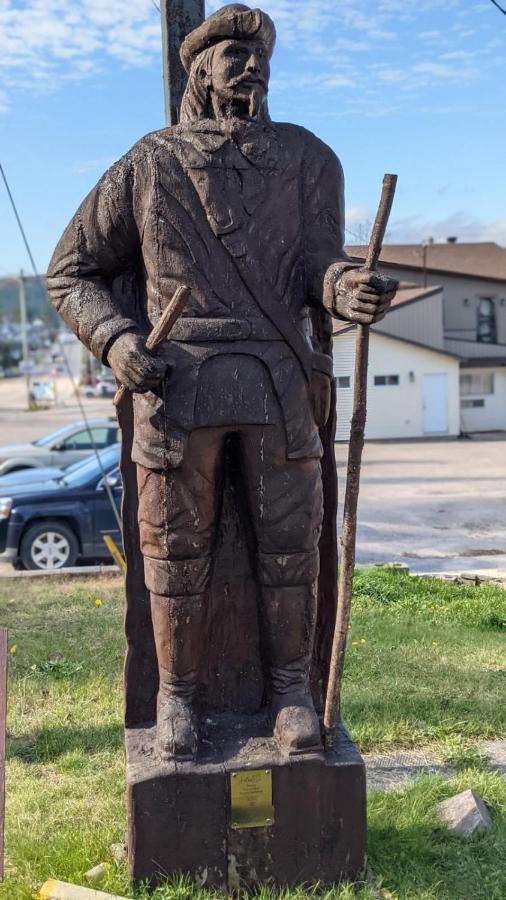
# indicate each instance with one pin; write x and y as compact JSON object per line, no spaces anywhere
{"x":119,"y":852}
{"x":96,"y":874}
{"x":465,"y":814}
{"x":495,"y":752}
{"x":372,"y":884}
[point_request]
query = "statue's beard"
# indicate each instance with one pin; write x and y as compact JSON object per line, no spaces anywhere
{"x":241,"y":101}
{"x":242,"y":104}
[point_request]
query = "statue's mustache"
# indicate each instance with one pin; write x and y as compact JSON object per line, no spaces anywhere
{"x":249,"y":79}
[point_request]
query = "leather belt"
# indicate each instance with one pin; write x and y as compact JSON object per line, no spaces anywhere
{"x":190,"y":328}
{"x":200,"y":329}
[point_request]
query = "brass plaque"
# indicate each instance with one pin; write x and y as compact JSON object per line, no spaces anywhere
{"x":251,"y":795}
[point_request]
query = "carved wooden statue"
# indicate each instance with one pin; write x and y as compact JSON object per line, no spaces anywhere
{"x":231,"y":417}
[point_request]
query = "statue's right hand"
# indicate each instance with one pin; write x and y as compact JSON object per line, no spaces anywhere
{"x":132,"y":365}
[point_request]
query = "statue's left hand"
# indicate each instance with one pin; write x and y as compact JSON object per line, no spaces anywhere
{"x":362,"y":296}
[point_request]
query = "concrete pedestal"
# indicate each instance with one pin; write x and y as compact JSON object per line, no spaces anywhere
{"x":180,"y":814}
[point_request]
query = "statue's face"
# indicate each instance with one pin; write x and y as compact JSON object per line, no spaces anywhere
{"x":240,"y":74}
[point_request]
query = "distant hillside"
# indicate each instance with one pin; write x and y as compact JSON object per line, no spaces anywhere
{"x":37,"y":303}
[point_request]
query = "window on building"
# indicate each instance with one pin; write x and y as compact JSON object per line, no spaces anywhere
{"x":344,"y":381}
{"x":476,"y":383}
{"x":487,"y":326}
{"x":471,"y":404}
{"x":383,"y":380}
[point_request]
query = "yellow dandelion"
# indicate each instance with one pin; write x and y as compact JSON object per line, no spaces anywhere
{"x":435,"y":643}
{"x":355,"y":643}
{"x":98,"y":602}
{"x":13,"y":649}
{"x":363,"y":642}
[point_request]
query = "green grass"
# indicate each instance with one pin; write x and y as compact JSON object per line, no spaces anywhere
{"x":433,"y":668}
{"x":431,"y":673}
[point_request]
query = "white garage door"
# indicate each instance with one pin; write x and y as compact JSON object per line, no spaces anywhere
{"x":435,"y":404}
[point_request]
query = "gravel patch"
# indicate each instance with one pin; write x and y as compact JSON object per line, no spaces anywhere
{"x":387,"y":772}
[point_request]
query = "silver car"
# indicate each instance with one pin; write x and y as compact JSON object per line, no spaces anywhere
{"x":68,"y":445}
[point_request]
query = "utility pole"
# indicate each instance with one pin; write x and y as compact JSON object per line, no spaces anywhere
{"x":24,"y":335}
{"x":179,"y":17}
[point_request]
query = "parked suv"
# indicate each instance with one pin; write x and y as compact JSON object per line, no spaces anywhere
{"x":53,"y":524}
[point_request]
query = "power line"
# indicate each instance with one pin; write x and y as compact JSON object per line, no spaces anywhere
{"x":22,"y":230}
{"x":499,"y":7}
{"x":74,"y":386}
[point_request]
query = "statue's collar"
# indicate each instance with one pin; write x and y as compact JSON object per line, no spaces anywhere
{"x":230,"y":128}
{"x":257,"y":141}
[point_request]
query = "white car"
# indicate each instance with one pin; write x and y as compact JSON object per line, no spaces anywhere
{"x":103,"y":388}
{"x":63,"y":447}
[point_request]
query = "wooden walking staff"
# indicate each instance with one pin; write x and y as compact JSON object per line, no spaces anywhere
{"x":349,"y":529}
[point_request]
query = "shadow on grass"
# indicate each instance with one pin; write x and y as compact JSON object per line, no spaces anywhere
{"x":428,"y":862}
{"x":49,"y":744}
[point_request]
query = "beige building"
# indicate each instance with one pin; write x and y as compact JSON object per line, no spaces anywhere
{"x":413,"y":386}
{"x":472,"y":279}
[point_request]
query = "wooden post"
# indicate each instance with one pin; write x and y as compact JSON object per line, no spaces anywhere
{"x":3,"y":728}
{"x":179,"y":17}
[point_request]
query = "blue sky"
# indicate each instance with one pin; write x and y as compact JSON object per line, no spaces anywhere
{"x":415,"y":87}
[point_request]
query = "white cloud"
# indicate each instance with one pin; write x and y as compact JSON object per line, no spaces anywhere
{"x":444,"y":72}
{"x":459,"y":54}
{"x":464,"y":224}
{"x":44,"y":38}
{"x":390,"y":75}
{"x":46,"y":41}
{"x":431,"y":37}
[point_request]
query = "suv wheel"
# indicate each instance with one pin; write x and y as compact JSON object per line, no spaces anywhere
{"x":49,"y":546}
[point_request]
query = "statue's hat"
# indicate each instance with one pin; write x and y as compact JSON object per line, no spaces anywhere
{"x":234,"y":21}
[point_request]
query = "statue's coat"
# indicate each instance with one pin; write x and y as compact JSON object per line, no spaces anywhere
{"x":252,"y":217}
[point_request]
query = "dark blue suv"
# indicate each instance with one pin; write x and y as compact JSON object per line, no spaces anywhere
{"x":52,"y":524}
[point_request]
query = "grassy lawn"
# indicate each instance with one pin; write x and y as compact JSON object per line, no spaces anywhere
{"x":426,"y":668}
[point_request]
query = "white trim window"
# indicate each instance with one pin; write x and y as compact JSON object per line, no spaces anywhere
{"x":474,"y":384}
{"x":477,"y":403}
{"x":387,"y":380}
{"x":343,"y":382}
{"x":486,"y":331}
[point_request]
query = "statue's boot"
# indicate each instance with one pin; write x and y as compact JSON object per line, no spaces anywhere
{"x":296,"y":725}
{"x":289,"y":618}
{"x":178,"y":624}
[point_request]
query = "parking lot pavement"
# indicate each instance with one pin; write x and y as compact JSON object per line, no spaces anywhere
{"x":438,"y":506}
{"x":17,"y":424}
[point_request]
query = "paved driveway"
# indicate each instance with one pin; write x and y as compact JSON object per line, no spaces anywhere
{"x":437,"y":506}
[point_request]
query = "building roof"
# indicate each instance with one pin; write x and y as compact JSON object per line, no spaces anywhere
{"x":477,"y":260}
{"x":483,"y":362}
{"x":403,"y":340}
{"x":407,"y":293}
